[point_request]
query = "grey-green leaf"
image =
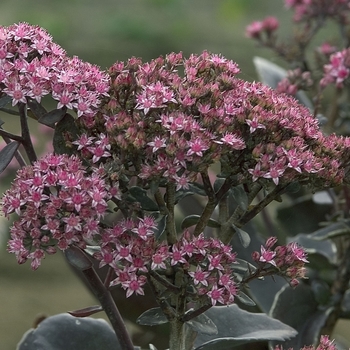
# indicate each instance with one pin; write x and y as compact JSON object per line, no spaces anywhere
{"x":244,"y":237}
{"x":138,"y":194}
{"x":7,"y":153}
{"x":236,"y":327}
{"x":66,"y":127}
{"x":299,"y":309}
{"x":5,"y":100}
{"x":191,"y":220}
{"x":240,"y":196}
{"x":52,"y":117}
{"x":161,"y":226}
{"x":334,"y":230}
{"x":36,"y":109}
{"x":77,"y":258}
{"x":203,"y":324}
{"x":65,"y":332}
{"x":244,"y":299}
{"x":152,"y":317}
{"x":271,"y":74}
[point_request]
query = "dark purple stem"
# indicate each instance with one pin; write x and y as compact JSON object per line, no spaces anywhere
{"x":105,"y":298}
{"x":26,"y":139}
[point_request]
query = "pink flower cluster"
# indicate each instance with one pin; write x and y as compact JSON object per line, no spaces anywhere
{"x":294,"y":81}
{"x":288,"y":260}
{"x":325,"y":344}
{"x":172,"y":126}
{"x":33,"y":66}
{"x":58,"y":204}
{"x":337,"y":70}
{"x":132,"y":251}
{"x":257,"y":28}
{"x":306,"y":10}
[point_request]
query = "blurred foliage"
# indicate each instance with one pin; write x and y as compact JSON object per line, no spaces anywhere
{"x":108,"y":30}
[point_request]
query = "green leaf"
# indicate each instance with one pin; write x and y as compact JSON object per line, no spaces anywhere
{"x":152,"y":317}
{"x":218,"y":184}
{"x":66,"y":127}
{"x":242,"y":267}
{"x":191,"y":220}
{"x":236,"y":327}
{"x":244,"y":237}
{"x":334,"y":230}
{"x":5,"y":100}
{"x":7,"y":153}
{"x":203,"y":324}
{"x":182,"y":194}
{"x":52,"y":117}
{"x":345,"y":307}
{"x":271,"y":74}
{"x":321,"y":290}
{"x":92,"y":249}
{"x":240,"y":196}
{"x":197,"y":188}
{"x":77,"y":258}
{"x":161,"y":227}
{"x":299,"y":309}
{"x":244,"y":299}
{"x":139,"y":195}
{"x":36,"y":110}
{"x":66,"y":332}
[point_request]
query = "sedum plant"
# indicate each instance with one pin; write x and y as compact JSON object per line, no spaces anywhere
{"x":132,"y":145}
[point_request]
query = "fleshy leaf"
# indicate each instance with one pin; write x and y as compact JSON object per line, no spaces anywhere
{"x":182,"y":194}
{"x":203,"y":324}
{"x":152,"y":317}
{"x":92,"y":249}
{"x":140,"y":195}
{"x":240,"y":196}
{"x":334,"y":230}
{"x":64,"y":129}
{"x":52,"y":117}
{"x":236,"y":326}
{"x":77,"y":258}
{"x":298,"y":308}
{"x":244,"y":299}
{"x":7,"y":153}
{"x":271,"y":74}
{"x":197,"y":188}
{"x":346,"y":305}
{"x":242,"y":266}
{"x":36,"y":110}
{"x":322,"y":197}
{"x":161,"y":227}
{"x":65,"y":332}
{"x":5,"y":100}
{"x":191,"y":220}
{"x":87,"y":311}
{"x":244,"y":237}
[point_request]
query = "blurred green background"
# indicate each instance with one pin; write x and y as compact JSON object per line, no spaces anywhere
{"x":103,"y":32}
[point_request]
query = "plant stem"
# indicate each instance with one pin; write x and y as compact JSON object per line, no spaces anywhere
{"x":105,"y":298}
{"x":7,"y":138}
{"x":170,"y":219}
{"x":239,"y":218}
{"x":26,"y":140}
{"x":176,"y":334}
